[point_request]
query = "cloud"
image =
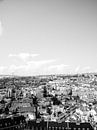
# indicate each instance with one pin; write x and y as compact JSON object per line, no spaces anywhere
{"x":40,"y":63}
{"x":77,"y":69}
{"x":1,"y":28}
{"x":86,"y":69}
{"x":30,"y":68}
{"x":59,"y":69}
{"x":2,"y":69}
{"x":37,"y":67}
{"x":41,"y":67}
{"x":23,"y":56}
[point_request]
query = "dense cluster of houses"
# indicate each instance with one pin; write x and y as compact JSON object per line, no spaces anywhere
{"x":51,"y":98}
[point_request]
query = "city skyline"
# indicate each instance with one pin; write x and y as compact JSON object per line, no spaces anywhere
{"x":48,"y":37}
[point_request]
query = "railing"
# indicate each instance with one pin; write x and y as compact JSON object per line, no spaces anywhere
{"x":33,"y":125}
{"x":14,"y":127}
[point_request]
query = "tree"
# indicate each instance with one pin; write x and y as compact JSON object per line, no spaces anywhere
{"x":35,"y":102}
{"x":44,"y":91}
{"x":15,"y":111}
{"x":2,"y":101}
{"x":49,"y":111}
{"x":6,"y":110}
{"x":77,"y":98}
{"x":70,"y":92}
{"x":55,"y":100}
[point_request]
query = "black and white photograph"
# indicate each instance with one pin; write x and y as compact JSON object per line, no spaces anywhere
{"x":48,"y":64}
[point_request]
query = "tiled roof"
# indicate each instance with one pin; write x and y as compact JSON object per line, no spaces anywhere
{"x":26,"y":109}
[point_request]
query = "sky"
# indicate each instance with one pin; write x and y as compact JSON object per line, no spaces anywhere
{"x":48,"y":36}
